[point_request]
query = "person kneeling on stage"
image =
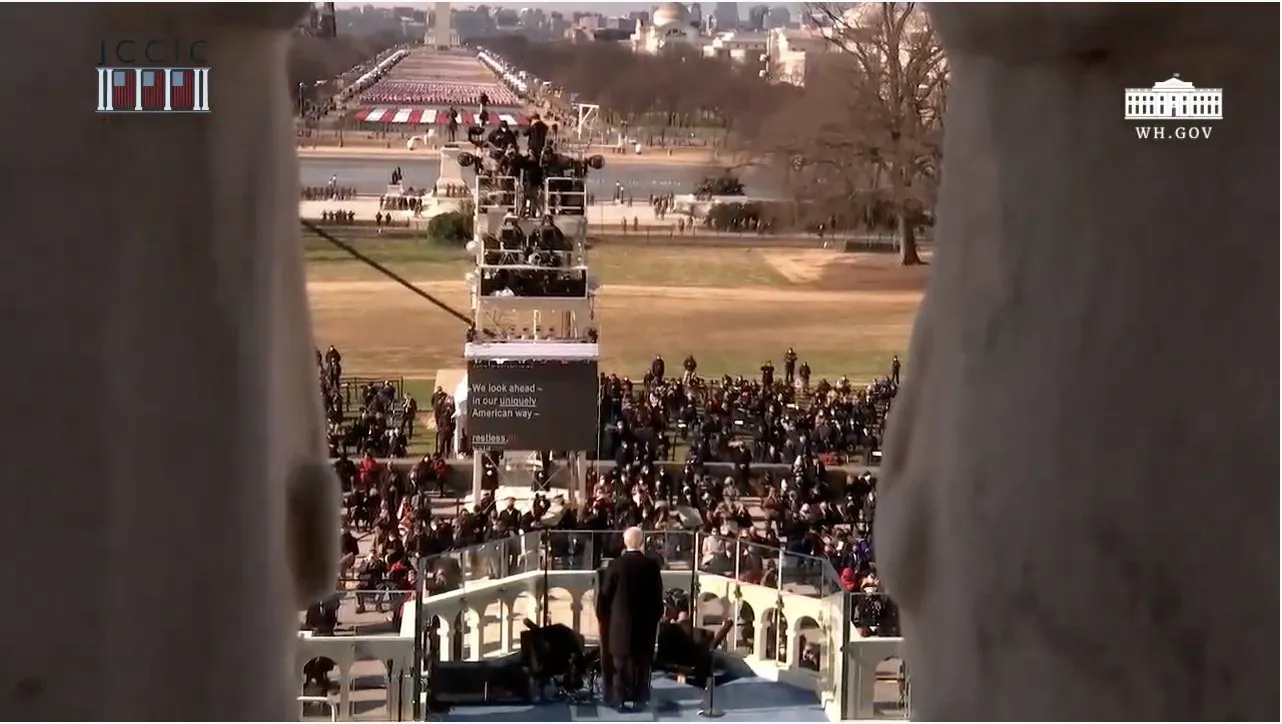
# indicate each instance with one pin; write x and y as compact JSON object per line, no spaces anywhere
{"x":629,"y":606}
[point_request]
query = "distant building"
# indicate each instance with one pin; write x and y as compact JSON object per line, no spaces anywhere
{"x":738,"y":47}
{"x":778,"y":17}
{"x":757,"y":18}
{"x":671,"y":23}
{"x":726,"y":16}
{"x":788,"y":50}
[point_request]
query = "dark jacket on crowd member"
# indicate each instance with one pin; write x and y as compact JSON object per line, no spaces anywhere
{"x":657,"y":367}
{"x":538,"y":135}
{"x":630,"y":604}
{"x":502,"y":137}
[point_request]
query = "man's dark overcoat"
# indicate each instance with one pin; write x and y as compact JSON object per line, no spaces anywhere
{"x":631,"y":601}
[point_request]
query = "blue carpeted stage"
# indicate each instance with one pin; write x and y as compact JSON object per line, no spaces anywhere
{"x":743,"y":699}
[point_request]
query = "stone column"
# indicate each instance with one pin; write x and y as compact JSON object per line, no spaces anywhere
{"x":1089,"y":424}
{"x":181,"y":275}
{"x":794,"y":643}
{"x":445,"y":635}
{"x":576,"y":613}
{"x":507,"y":624}
{"x":476,"y":634}
{"x":345,"y":663}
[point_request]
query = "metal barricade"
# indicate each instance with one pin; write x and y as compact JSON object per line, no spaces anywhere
{"x":499,"y":256}
{"x":502,"y":193}
{"x":565,"y":196}
{"x":524,"y":280}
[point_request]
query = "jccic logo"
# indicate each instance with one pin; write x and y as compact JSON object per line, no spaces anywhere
{"x":152,"y":76}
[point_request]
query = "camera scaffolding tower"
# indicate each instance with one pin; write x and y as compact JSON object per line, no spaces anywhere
{"x":525,"y":327}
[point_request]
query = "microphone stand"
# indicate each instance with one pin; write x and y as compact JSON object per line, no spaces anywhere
{"x":709,"y":709}
{"x":544,"y":598}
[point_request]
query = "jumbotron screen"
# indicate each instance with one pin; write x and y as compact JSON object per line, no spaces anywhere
{"x":532,"y":404}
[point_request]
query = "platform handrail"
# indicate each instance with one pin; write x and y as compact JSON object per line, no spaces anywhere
{"x":504,"y":185}
{"x":575,"y":188}
{"x":579,"y":268}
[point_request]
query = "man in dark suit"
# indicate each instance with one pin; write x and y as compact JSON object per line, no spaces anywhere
{"x":628,"y":609}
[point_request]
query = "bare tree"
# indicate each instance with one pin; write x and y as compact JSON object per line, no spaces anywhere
{"x":898,"y":81}
{"x":314,"y":59}
{"x":816,"y":148}
{"x":647,"y":91}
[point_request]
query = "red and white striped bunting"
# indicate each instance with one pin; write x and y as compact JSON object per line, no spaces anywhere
{"x":432,"y":117}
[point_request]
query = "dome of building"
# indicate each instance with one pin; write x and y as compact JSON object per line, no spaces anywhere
{"x":669,"y":14}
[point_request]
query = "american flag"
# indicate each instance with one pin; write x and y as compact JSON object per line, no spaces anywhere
{"x":182,"y":89}
{"x":122,"y":90}
{"x":153,"y":90}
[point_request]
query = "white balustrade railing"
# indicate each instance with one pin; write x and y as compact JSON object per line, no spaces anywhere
{"x":793,"y":635}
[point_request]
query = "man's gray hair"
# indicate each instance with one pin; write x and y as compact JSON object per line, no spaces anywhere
{"x":633,"y":539}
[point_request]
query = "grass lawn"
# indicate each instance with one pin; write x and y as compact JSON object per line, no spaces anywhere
{"x":731,"y":308}
{"x":632,"y":264}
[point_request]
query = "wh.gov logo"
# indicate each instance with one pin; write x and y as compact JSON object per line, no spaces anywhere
{"x":1174,"y":110}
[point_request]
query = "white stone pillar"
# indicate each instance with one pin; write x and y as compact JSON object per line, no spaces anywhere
{"x":760,"y":640}
{"x":475,"y":636}
{"x":345,"y":663}
{"x":576,"y":614}
{"x":266,"y":515}
{"x":507,"y":624}
{"x":444,"y":635}
{"x":1093,"y":363}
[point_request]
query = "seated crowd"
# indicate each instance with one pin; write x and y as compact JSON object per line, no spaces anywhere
{"x":768,"y":419}
{"x":509,"y":75}
{"x":437,"y":92}
{"x":807,"y":510}
{"x":376,"y":72}
{"x":803,"y":513}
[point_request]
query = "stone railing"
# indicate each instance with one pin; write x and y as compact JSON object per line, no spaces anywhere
{"x":795,"y":631}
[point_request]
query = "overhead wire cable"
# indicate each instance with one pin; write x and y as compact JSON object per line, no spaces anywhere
{"x":362,"y":258}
